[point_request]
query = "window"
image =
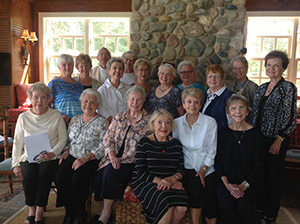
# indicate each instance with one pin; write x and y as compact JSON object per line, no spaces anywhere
{"x":266,"y":33}
{"x":75,"y":33}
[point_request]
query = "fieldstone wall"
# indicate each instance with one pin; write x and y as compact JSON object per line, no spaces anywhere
{"x":203,"y":31}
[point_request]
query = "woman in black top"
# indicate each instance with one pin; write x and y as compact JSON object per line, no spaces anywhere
{"x":274,"y":112}
{"x":239,"y":164}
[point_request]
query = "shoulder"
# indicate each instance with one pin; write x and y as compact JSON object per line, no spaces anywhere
{"x":175,"y":142}
{"x":208,"y":119}
{"x":228,"y":92}
{"x":252,"y":84}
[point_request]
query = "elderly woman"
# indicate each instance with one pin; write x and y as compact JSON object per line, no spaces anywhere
{"x":198,"y":135}
{"x":242,"y":85}
{"x":83,"y":64}
{"x":81,"y":157}
{"x":158,"y":171}
{"x":65,"y":90}
{"x":239,"y":164}
{"x":37,"y":176}
{"x":128,"y":58}
{"x":216,"y":96}
{"x":187,"y":72}
{"x":165,"y":95}
{"x":274,"y":112}
{"x":120,"y":146}
{"x":141,"y":70}
{"x":113,"y":91}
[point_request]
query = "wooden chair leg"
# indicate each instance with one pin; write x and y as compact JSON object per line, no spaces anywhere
{"x":10,"y":184}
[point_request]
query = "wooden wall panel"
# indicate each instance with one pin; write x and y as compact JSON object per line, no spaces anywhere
{"x":273,"y":5}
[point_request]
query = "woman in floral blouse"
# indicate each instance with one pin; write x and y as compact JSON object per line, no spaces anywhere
{"x":120,"y":141}
{"x":81,"y":157}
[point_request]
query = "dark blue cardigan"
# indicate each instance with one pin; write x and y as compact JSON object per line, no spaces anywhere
{"x":216,"y":108}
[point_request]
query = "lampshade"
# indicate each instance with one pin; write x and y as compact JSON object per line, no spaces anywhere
{"x":25,"y":35}
{"x":33,"y":37}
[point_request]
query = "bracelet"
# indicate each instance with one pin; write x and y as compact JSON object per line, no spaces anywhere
{"x":177,"y":177}
{"x":281,"y":138}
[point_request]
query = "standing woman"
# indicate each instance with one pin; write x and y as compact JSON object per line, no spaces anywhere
{"x":165,"y":95}
{"x":198,"y":135}
{"x":242,"y":85}
{"x":274,"y":112}
{"x":141,"y":70}
{"x":37,"y":177}
{"x":83,"y":64}
{"x":113,"y":91}
{"x":216,"y":96}
{"x":239,"y":165}
{"x":65,"y":90}
{"x":158,"y":171}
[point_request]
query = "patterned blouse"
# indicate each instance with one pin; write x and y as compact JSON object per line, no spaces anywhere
{"x":278,"y":116}
{"x":115,"y":135}
{"x":84,"y":138}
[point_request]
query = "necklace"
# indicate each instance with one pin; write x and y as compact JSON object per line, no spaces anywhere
{"x":238,"y":138}
{"x":162,"y":90}
{"x":162,"y":148}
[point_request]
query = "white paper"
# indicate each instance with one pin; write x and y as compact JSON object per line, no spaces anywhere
{"x":36,"y":145}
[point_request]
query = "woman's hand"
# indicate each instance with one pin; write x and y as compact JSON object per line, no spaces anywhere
{"x":46,"y":157}
{"x":79,"y":162}
{"x":236,"y":192}
{"x":115,"y":161}
{"x":165,"y":184}
{"x":178,"y":186}
{"x":201,"y":174}
{"x":64,"y":156}
{"x":275,"y":147}
{"x":18,"y":171}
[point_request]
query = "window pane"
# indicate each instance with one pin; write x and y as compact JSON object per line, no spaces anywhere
{"x":67,"y":27}
{"x":55,"y":45}
{"x":263,"y":27}
{"x":298,"y":69}
{"x":53,"y":65}
{"x":79,"y":45}
{"x":122,"y":45}
{"x":98,"y":43}
{"x":283,"y":44}
{"x":263,"y":70}
{"x":253,"y":70}
{"x":110,"y":44}
{"x":117,"y":27}
{"x":254,"y":46}
{"x":68,"y":45}
{"x":268,"y":45}
{"x":95,"y":62}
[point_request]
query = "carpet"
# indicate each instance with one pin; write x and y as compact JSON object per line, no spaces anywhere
{"x":55,"y":215}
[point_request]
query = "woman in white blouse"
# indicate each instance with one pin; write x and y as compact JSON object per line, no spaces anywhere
{"x":80,"y":159}
{"x":198,"y":135}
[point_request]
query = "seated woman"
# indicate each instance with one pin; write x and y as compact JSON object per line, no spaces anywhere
{"x":120,"y":146}
{"x":158,"y":171}
{"x":239,"y":165}
{"x":216,"y":96}
{"x":64,"y":89}
{"x":37,"y":177}
{"x":113,"y":91}
{"x":187,"y":70}
{"x":165,"y":95}
{"x":83,"y":64}
{"x":80,"y":159}
{"x":198,"y":135}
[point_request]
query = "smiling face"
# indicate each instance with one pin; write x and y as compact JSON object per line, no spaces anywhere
{"x":142,"y":73}
{"x":116,"y":71}
{"x":129,"y":61}
{"x":39,"y":101}
{"x":89,"y":104}
{"x":187,"y":74}
{"x":274,"y":68}
{"x":103,"y":57}
{"x":237,"y":110}
{"x":215,"y":81}
{"x":135,"y":102}
{"x":192,"y":105}
{"x":239,"y":71}
{"x":162,"y":127}
{"x":66,"y":68}
{"x":84,"y":69}
{"x":165,"y":76}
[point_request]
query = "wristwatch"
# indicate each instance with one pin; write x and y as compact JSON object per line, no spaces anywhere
{"x":247,"y":185}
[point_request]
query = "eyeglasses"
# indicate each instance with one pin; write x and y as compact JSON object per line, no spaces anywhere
{"x":234,"y":108}
{"x":213,"y":77}
{"x":186,"y":72}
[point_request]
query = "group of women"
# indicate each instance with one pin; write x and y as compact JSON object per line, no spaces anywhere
{"x":204,"y":151}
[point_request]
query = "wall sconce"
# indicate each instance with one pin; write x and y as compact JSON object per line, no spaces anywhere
{"x":26,"y":37}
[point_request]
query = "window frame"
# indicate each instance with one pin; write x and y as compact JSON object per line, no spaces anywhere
{"x":43,"y":62}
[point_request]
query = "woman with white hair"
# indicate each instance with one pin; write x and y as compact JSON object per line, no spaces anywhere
{"x":166,"y":95}
{"x":64,"y":89}
{"x":81,"y":157}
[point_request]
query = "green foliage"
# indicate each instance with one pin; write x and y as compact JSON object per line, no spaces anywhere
{"x":110,"y":28}
{"x":122,"y":45}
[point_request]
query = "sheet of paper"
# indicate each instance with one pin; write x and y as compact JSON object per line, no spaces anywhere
{"x":37,"y":144}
